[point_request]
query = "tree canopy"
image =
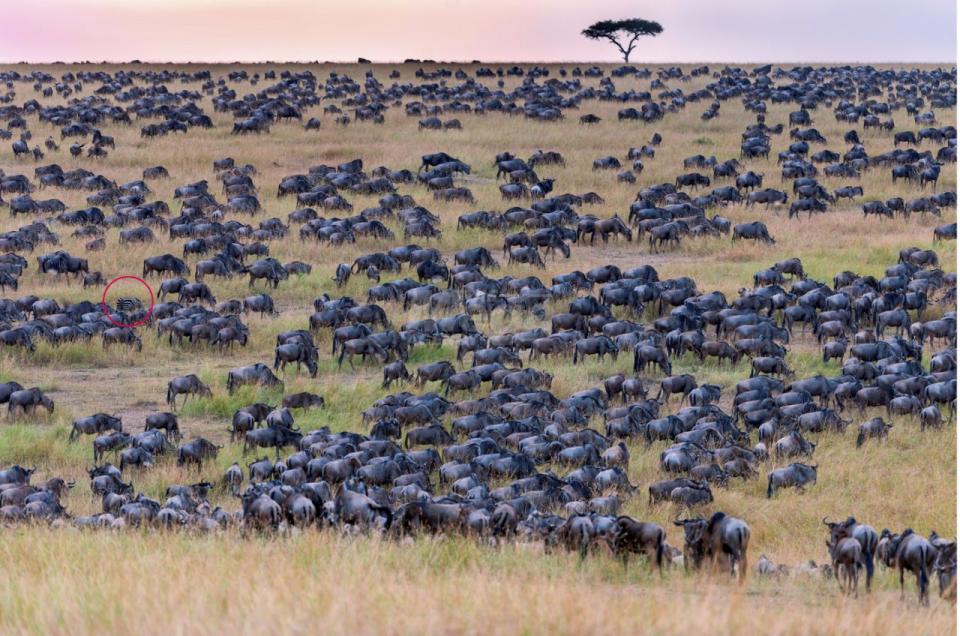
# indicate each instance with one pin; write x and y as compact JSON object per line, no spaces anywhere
{"x":623,"y":33}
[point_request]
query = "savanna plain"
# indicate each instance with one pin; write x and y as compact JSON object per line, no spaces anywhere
{"x":60,"y":579}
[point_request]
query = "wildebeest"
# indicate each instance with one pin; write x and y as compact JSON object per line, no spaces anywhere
{"x":27,"y":400}
{"x":910,"y":551}
{"x":720,"y":536}
{"x":167,"y":263}
{"x":682,"y":384}
{"x":303,"y":400}
{"x":875,"y":427}
{"x":95,"y":424}
{"x":163,"y":421}
{"x":257,"y":373}
{"x":865,"y":535}
{"x":756,"y":231}
{"x":846,"y":556}
{"x":793,"y":445}
{"x":796,"y":475}
{"x":110,"y":442}
{"x":273,"y":435}
{"x":638,"y":537}
{"x":186,"y":385}
{"x":195,"y":451}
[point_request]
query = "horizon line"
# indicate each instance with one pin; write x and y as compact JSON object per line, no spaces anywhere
{"x":137,"y":61}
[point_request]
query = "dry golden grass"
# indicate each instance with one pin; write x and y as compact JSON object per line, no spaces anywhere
{"x":71,"y":582}
{"x":66,"y":581}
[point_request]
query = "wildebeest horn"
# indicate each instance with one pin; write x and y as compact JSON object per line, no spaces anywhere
{"x":825,"y":522}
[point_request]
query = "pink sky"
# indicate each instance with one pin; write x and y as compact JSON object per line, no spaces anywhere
{"x":523,"y":30}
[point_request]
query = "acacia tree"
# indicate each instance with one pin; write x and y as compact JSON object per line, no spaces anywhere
{"x":623,"y":34}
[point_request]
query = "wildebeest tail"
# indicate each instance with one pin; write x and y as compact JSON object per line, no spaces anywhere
{"x":169,"y":393}
{"x":869,"y":550}
{"x":743,"y":538}
{"x":582,"y":541}
{"x":769,"y":486}
{"x":388,"y":512}
{"x":860,"y":437}
{"x":923,"y":578}
{"x":661,"y":548}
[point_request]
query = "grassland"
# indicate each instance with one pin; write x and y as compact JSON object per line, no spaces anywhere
{"x":66,"y":581}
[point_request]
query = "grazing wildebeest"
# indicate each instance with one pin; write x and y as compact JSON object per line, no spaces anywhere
{"x":163,"y":264}
{"x":94,"y":424}
{"x":873,"y":428}
{"x":796,"y":475}
{"x":682,"y":384}
{"x":395,"y":371}
{"x":186,"y":385}
{"x":27,"y":400}
{"x":793,"y":445}
{"x":111,"y":442}
{"x":756,"y":231}
{"x":303,"y":400}
{"x":163,"y":421}
{"x":258,"y":374}
{"x":358,"y":509}
{"x":195,"y":451}
{"x":691,"y":496}
{"x":273,"y":435}
{"x":598,"y":346}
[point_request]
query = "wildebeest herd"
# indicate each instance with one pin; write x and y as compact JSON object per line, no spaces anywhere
{"x":488,"y":449}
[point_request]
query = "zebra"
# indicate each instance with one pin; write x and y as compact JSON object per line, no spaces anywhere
{"x":129,"y":304}
{"x":131,"y":311}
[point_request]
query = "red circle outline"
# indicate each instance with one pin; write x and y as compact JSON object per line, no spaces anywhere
{"x":106,"y":312}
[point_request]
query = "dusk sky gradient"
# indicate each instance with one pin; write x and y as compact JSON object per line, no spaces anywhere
{"x":489,"y":30}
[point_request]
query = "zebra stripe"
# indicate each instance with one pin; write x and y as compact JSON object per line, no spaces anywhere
{"x":128,"y":304}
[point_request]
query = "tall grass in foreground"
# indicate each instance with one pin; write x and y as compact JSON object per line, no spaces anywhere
{"x":83,"y":583}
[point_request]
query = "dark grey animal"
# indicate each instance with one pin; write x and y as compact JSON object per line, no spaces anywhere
{"x":865,"y":535}
{"x":795,"y":475}
{"x":186,"y":385}
{"x":910,"y":551}
{"x":720,"y":536}
{"x":258,"y":373}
